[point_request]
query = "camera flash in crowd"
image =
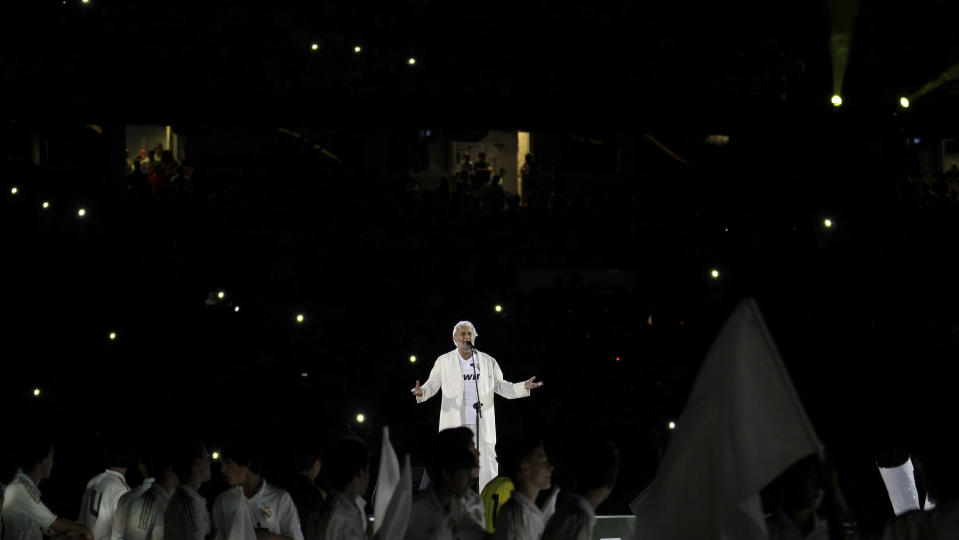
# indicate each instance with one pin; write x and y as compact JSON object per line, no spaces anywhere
{"x":314,"y":46}
{"x":220,"y":295}
{"x":827,"y":222}
{"x":304,"y":374}
{"x":14,"y":190}
{"x":36,"y":392}
{"x":412,"y":358}
{"x":81,"y":212}
{"x":357,"y":49}
{"x":299,"y":318}
{"x":215,"y":455}
{"x":672,"y":425}
{"x":236,"y":309}
{"x":361,"y":418}
{"x":113,"y":336}
{"x":714,"y":273}
{"x":45,"y":204}
{"x":411,"y":61}
{"x":498,"y":308}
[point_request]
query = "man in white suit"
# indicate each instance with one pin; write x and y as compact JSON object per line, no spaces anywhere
{"x":454,"y":374}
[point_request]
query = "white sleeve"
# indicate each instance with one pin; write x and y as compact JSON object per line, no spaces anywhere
{"x":120,"y":516}
{"x":433,"y":383}
{"x":25,"y":500}
{"x":289,"y":518}
{"x":505,"y":388}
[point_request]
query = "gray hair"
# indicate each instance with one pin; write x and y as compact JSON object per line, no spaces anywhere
{"x":466,"y":323}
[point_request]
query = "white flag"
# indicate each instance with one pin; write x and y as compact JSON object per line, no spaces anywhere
{"x":386,"y":479}
{"x":901,"y":486}
{"x":397,"y":516}
{"x":743,"y":425}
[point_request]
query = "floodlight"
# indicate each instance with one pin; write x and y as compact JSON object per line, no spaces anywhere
{"x":904,"y":102}
{"x":836,"y":100}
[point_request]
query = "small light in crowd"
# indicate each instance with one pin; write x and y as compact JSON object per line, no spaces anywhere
{"x":904,"y":102}
{"x":618,"y":359}
{"x":304,"y":374}
{"x":361,"y":418}
{"x":85,"y":1}
{"x":36,"y":392}
{"x":412,"y":358}
{"x":672,"y":425}
{"x":682,"y":323}
{"x":113,"y":336}
{"x":215,"y":455}
{"x":299,"y":318}
{"x":836,"y":101}
{"x":498,"y":308}
{"x":45,"y":204}
{"x":81,"y":212}
{"x":726,"y":229}
{"x":14,"y":190}
{"x":314,"y":46}
{"x":220,"y":295}
{"x":714,"y":273}
{"x":827,"y":222}
{"x":357,"y":49}
{"x":236,"y":309}
{"x":411,"y":61}
{"x":649,"y":321}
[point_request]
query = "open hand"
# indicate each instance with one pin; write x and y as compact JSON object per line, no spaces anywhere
{"x":417,"y":391}
{"x":530,"y":384}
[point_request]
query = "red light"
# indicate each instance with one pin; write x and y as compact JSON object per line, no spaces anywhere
{"x":681,"y":323}
{"x":617,"y":359}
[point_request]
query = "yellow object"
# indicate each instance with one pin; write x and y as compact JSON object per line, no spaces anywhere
{"x":495,"y":495}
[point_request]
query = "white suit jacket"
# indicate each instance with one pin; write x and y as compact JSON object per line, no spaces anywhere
{"x":447,"y":376}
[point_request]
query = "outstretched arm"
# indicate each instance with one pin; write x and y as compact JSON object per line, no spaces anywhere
{"x":511,"y":390}
{"x":430,"y":387}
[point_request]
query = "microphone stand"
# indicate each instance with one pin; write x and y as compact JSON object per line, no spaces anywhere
{"x":478,"y":406}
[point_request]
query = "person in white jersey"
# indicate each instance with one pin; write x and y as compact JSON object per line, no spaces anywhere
{"x":103,"y":491}
{"x":142,"y":509}
{"x":526,"y":463}
{"x":457,"y":374}
{"x":342,"y":516}
{"x":272,"y":507}
{"x":186,"y":516}
{"x":24,"y":515}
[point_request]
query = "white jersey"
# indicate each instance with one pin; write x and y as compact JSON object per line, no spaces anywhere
{"x":145,"y":521}
{"x":24,"y":516}
{"x":338,"y":518}
{"x":100,"y":501}
{"x":469,"y":390}
{"x":186,"y":516}
{"x":273,"y":510}
{"x":520,"y":518}
{"x":123,"y":508}
{"x":232,"y":516}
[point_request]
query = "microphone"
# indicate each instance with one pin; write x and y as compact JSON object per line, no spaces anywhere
{"x":469,"y":344}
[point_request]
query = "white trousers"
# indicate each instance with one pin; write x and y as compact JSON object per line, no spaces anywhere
{"x":489,"y":467}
